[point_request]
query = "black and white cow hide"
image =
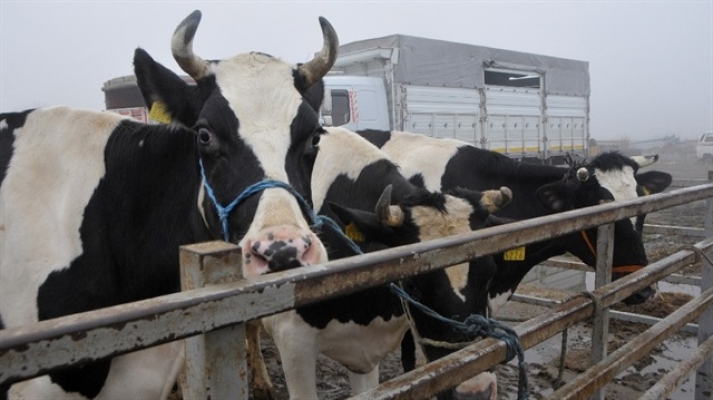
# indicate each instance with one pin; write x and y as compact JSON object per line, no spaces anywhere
{"x":94,"y":206}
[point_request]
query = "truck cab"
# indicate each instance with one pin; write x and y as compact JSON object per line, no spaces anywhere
{"x":704,"y":148}
{"x":355,"y":103}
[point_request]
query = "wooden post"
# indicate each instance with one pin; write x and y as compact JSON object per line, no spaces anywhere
{"x":704,"y":374}
{"x":216,"y":366}
{"x":600,"y":327}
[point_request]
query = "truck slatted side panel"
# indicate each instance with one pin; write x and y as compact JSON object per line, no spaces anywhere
{"x":442,"y":112}
{"x":567,"y":124}
{"x":513,"y":125}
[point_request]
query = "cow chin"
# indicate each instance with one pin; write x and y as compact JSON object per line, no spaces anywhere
{"x":281,"y":248}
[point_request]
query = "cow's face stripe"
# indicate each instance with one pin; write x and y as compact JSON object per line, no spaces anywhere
{"x":621,"y":183}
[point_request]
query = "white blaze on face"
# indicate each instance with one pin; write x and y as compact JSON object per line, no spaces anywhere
{"x":409,"y":150}
{"x":342,"y":152}
{"x":51,"y":178}
{"x":260,"y":90}
{"x":620,"y":183}
{"x":434,"y":224}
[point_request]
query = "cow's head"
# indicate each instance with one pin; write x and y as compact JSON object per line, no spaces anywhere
{"x":253,"y":122}
{"x":608,"y":177}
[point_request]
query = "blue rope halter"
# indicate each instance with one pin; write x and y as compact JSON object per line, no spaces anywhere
{"x":224,"y":212}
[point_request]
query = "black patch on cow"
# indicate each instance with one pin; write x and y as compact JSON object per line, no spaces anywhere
{"x":138,"y":215}
{"x":376,"y":137}
{"x":314,"y":95}
{"x":417,"y":180}
{"x":612,"y":160}
{"x":7,"y":138}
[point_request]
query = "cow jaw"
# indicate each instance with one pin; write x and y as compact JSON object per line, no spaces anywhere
{"x":279,"y":232}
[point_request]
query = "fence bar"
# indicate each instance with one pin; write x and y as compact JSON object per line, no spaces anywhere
{"x":35,"y":349}
{"x":451,"y":370}
{"x":704,"y":375}
{"x":669,"y":382}
{"x":603,"y":372}
{"x":674,"y":230}
{"x":216,"y":366}
{"x":600,"y":327}
{"x":32,"y":350}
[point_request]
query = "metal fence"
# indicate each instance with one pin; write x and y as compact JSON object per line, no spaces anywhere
{"x":218,"y":306}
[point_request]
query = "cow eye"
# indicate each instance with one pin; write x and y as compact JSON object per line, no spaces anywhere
{"x":315,"y":139}
{"x":205,"y":137}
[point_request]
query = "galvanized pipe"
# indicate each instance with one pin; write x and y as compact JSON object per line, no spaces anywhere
{"x":673,"y":379}
{"x":33,"y":350}
{"x":597,"y":376}
{"x":451,"y":370}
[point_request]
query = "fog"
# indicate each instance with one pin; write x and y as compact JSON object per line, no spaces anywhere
{"x":651,"y":63}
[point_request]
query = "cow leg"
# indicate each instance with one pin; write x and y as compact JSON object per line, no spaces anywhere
{"x":261,"y":384}
{"x":363,"y":382}
{"x":296,"y":343}
{"x":145,"y":374}
{"x":149,"y":373}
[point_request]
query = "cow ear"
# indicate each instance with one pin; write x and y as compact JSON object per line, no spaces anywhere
{"x":554,"y":197}
{"x":365,"y":222}
{"x":162,"y":89}
{"x":653,"y":181}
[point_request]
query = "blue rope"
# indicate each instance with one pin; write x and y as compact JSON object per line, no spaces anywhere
{"x":478,"y":325}
{"x":223,"y":212}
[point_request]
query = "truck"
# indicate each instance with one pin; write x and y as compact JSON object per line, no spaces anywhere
{"x":704,"y":148}
{"x":527,"y":106}
{"x":530,"y":107}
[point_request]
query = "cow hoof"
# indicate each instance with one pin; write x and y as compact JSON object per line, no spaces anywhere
{"x":481,"y":387}
{"x":263,"y":394}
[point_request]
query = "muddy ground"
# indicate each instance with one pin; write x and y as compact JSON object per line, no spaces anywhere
{"x":543,"y":361}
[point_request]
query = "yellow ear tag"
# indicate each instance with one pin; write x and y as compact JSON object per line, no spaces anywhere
{"x":354,"y":233}
{"x":645,"y":190}
{"x":159,"y":113}
{"x":517,"y":254}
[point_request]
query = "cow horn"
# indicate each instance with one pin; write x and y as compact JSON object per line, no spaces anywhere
{"x":182,"y":47}
{"x":493,"y":200}
{"x":582,"y":174}
{"x":318,"y":67}
{"x":388,"y":214}
{"x":645,"y":161}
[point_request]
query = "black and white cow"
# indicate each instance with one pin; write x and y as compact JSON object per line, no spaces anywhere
{"x":440,"y":164}
{"x":93,"y":206}
{"x":359,"y":183}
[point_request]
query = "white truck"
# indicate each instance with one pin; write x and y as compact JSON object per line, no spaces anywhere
{"x":704,"y":148}
{"x":524,"y":105}
{"x":527,"y":106}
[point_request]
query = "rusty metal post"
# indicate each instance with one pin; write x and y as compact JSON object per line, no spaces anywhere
{"x":600,"y":327}
{"x":704,"y":374}
{"x":216,"y":366}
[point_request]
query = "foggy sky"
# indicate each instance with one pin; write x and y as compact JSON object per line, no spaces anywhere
{"x":651,"y":62}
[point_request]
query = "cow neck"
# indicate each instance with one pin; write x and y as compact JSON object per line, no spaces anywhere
{"x":224,"y":212}
{"x":622,"y":269}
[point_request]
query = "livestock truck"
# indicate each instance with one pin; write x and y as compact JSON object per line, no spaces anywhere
{"x":524,"y":105}
{"x":527,"y":106}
